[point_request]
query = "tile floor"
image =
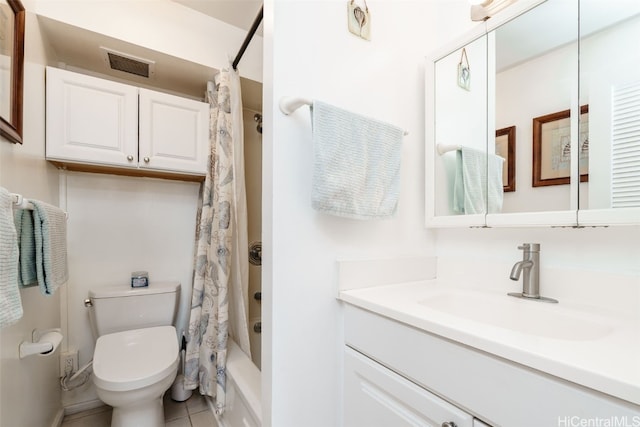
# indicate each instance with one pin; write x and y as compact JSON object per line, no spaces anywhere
{"x":192,"y":413}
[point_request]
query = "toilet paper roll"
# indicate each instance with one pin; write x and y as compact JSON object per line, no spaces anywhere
{"x":55,"y":338}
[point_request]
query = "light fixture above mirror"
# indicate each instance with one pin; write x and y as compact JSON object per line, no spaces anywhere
{"x":481,"y":10}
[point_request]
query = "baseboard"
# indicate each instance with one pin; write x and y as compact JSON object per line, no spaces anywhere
{"x":57,"y":421}
{"x":83,"y":406}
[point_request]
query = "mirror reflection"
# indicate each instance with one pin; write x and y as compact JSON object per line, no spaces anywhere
{"x":610,"y":85}
{"x":460,"y":87}
{"x":534,"y":86}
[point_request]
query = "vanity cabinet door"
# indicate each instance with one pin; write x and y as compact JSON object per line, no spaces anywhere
{"x":91,"y":120}
{"x":374,"y":396}
{"x":174,"y":133}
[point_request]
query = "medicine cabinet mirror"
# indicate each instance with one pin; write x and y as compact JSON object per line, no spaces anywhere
{"x":563,"y":149}
{"x":610,"y":85}
{"x":461,"y":114}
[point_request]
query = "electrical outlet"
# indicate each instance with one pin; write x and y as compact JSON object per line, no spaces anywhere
{"x":68,"y":362}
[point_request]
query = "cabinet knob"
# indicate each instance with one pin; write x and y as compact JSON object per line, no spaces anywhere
{"x":448,"y":424}
{"x":146,"y":160}
{"x":130,"y":158}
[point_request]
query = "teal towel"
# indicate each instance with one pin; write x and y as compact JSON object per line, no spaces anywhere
{"x":10,"y":301}
{"x":356,"y":167}
{"x":472,"y":190}
{"x":50,"y":230}
{"x":26,"y":246}
{"x":495,"y":186}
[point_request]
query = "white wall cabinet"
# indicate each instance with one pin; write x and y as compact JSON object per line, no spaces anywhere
{"x":401,"y":371}
{"x":104,"y":126}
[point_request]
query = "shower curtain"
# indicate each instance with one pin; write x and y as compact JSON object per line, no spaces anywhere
{"x":219,"y":304}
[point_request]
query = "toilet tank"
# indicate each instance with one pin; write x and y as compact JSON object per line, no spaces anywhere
{"x":122,"y":308}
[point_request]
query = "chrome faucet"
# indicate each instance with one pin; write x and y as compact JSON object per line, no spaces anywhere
{"x":530,"y":269}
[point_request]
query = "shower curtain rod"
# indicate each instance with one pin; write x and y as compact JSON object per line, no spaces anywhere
{"x":247,"y":40}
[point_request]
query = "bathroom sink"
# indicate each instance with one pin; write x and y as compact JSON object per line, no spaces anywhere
{"x":527,"y":317}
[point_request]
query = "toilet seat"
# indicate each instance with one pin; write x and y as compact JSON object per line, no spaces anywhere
{"x":134,"y":359}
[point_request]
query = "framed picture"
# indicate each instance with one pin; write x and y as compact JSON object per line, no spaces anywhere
{"x":552,"y":148}
{"x":506,"y":148}
{"x":12,"y":16}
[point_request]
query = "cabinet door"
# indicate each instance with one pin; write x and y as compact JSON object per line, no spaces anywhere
{"x":375,"y":396}
{"x":91,"y":120}
{"x":174,"y":133}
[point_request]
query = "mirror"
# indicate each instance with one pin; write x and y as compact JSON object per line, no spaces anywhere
{"x":562,"y":108}
{"x":460,"y":97}
{"x":610,"y":85}
{"x":531,"y":112}
{"x":534,"y":79}
{"x":12,"y":17}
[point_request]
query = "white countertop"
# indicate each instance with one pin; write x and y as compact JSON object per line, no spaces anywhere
{"x":609,"y":363}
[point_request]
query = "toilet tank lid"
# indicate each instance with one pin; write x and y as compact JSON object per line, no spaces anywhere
{"x":126,"y":290}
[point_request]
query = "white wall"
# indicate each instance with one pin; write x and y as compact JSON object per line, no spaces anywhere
{"x":29,"y":389}
{"x":309,"y":52}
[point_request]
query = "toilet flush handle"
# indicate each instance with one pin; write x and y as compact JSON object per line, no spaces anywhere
{"x":88,"y":303}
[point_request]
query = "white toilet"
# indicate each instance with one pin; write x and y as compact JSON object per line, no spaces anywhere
{"x":136,"y":355}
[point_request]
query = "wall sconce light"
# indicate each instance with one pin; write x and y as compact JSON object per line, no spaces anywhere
{"x":481,"y":10}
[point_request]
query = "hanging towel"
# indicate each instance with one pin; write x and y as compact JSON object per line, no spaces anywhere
{"x":495,"y":186}
{"x":26,"y":246}
{"x":50,"y":230}
{"x":356,"y":167}
{"x":10,"y":302}
{"x":471,"y":188}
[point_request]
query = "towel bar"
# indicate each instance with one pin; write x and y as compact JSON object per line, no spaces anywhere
{"x":21,"y":202}
{"x":289,"y":104}
{"x":443,"y":148}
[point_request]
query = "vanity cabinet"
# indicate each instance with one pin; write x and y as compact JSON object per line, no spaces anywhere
{"x":98,"y":125}
{"x":377,"y":396}
{"x":396,"y":370}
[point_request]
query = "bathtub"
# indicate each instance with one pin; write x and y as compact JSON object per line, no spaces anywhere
{"x":244,"y":396}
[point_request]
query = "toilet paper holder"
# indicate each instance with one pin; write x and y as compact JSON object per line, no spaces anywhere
{"x":44,"y":342}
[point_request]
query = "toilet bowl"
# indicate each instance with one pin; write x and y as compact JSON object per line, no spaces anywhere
{"x":132,"y":370}
{"x":136,"y":356}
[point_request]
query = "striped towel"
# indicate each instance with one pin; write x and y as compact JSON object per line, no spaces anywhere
{"x":10,"y":301}
{"x":472,"y":190}
{"x":356,"y":168}
{"x":50,"y":230}
{"x":27,"y":247}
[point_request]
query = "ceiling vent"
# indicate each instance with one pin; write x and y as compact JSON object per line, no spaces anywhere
{"x":128,"y":63}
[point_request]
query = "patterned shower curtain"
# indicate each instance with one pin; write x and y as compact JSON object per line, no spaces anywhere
{"x":219,"y":278}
